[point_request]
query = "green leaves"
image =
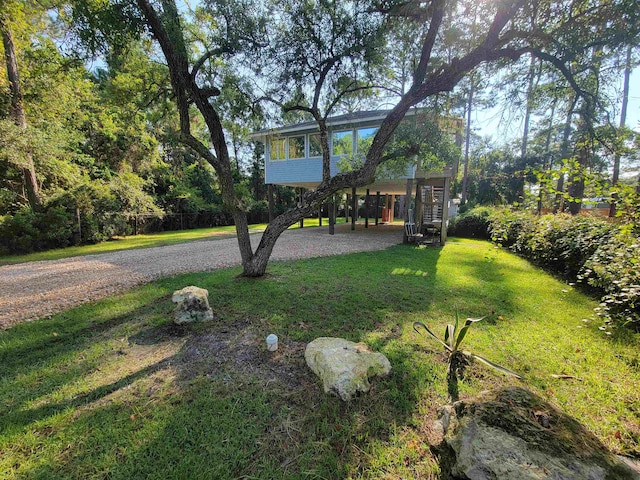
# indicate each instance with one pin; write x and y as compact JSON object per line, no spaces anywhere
{"x":584,"y":249}
{"x":453,"y":336}
{"x":458,"y":359}
{"x":465,"y":329}
{"x":420,"y":324}
{"x":422,"y":141}
{"x":493,"y":365}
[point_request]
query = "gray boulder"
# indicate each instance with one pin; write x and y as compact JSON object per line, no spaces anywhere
{"x":192,"y":305}
{"x":344,"y":367}
{"x":513,"y":434}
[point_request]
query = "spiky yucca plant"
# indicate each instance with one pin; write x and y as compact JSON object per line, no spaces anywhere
{"x":459,"y":359}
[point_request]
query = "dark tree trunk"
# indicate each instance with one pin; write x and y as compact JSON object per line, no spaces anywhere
{"x":578,"y":171}
{"x":576,"y":186}
{"x":367,"y":199}
{"x":564,"y":152}
{"x":347,"y":206}
{"x":331,"y":206}
{"x":623,"y":119}
{"x":271,"y":205}
{"x":301,"y":193}
{"x":17,"y":113}
{"x":168,"y":32}
{"x":546,"y":166}
{"x":586,"y":140}
{"x":354,"y":208}
{"x":465,"y":175}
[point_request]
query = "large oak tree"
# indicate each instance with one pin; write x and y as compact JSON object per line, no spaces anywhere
{"x":556,"y":33}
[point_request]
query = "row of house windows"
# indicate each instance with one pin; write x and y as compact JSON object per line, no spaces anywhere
{"x":307,"y":146}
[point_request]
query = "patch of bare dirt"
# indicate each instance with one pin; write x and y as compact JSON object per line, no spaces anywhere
{"x":230,"y":351}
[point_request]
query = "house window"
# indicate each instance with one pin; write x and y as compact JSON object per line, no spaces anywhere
{"x":277,"y":149}
{"x":315,"y":147}
{"x":365,"y":139}
{"x":296,"y":147}
{"x":342,"y":143}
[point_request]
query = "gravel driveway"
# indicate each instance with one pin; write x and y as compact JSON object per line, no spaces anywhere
{"x":37,"y":289}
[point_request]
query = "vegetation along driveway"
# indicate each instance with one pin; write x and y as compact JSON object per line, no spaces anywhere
{"x":37,"y":289}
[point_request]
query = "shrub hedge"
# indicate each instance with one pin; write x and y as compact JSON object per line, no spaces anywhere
{"x":601,"y":254}
{"x":581,"y":248}
{"x":473,"y":223}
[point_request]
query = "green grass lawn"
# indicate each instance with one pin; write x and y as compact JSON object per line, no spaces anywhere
{"x":144,"y":241}
{"x":114,"y":390}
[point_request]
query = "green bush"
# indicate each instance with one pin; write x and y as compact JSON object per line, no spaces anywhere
{"x":473,"y":223}
{"x":258,"y":212}
{"x":19,"y":232}
{"x":28,"y":231}
{"x":600,"y":254}
{"x":560,"y":243}
{"x":92,"y":212}
{"x":56,"y":226}
{"x":614,"y":268}
{"x":98,"y":210}
{"x":511,"y":228}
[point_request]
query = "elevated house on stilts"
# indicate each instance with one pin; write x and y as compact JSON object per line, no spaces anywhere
{"x":293,"y":157}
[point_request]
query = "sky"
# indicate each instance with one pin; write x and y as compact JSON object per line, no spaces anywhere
{"x":487,"y":123}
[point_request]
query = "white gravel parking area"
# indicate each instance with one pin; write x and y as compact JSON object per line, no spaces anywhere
{"x":37,"y":289}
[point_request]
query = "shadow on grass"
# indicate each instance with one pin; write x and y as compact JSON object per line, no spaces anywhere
{"x":38,"y":358}
{"x":221,"y":406}
{"x":22,"y":418}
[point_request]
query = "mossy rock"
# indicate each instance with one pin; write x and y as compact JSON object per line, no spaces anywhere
{"x":514,"y":434}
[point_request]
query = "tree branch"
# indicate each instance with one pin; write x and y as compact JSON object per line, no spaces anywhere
{"x":566,"y":72}
{"x":321,"y":79}
{"x":342,"y":94}
{"x":287,"y":108}
{"x":429,"y":41}
{"x":200,"y":149}
{"x":500,"y":20}
{"x":178,"y":67}
{"x":201,"y":61}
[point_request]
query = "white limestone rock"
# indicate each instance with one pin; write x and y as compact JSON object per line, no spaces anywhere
{"x":192,"y":305}
{"x":345,"y":367}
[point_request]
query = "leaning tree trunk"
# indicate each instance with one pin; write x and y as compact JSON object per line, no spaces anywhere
{"x":423,"y":87}
{"x":168,"y":32}
{"x":17,"y":113}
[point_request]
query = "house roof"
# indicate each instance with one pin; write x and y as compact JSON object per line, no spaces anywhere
{"x":345,"y":119}
{"x":348,"y":119}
